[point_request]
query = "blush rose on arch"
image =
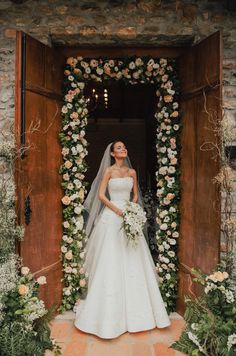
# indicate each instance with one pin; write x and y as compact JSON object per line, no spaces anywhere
{"x":162,"y":73}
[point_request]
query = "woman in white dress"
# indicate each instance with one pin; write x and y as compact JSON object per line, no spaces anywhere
{"x":123,"y":292}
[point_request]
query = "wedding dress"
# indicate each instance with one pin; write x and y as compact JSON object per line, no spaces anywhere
{"x":123,"y":292}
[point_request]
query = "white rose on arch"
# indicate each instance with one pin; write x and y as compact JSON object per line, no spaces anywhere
{"x":74,"y":150}
{"x":163,"y":227}
{"x":77,"y":210}
{"x":79,"y":148}
{"x":25,"y":271}
{"x":67,"y":291}
{"x":41,"y":280}
{"x":79,"y":222}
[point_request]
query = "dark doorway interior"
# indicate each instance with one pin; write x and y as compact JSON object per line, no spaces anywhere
{"x":124,"y":112}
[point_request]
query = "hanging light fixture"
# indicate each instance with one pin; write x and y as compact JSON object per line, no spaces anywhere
{"x":95,"y":100}
{"x":105,"y":94}
{"x":92,"y":101}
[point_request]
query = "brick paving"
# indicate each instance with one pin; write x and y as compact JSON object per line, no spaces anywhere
{"x":153,"y":342}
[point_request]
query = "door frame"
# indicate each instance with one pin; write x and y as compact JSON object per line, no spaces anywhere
{"x":66,"y":51}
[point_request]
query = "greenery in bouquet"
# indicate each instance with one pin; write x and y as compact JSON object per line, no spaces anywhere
{"x":211,"y":318}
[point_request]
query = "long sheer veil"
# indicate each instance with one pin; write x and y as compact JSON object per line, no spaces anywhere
{"x":93,"y":205}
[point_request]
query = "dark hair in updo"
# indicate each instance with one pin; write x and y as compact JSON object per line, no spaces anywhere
{"x":113,"y":145}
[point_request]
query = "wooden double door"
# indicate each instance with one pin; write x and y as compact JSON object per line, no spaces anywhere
{"x":39,"y":76}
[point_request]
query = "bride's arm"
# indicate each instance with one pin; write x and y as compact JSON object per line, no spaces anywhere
{"x":102,"y":191}
{"x":135,"y":186}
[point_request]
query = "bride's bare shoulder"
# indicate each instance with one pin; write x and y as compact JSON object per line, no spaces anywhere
{"x":132,"y":172}
{"x":107,"y":172}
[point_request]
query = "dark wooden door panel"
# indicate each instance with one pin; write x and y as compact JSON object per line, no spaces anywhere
{"x":199,"y":244}
{"x":35,"y":59}
{"x":33,"y":181}
{"x":53,"y":179}
{"x":207,"y":63}
{"x":207,"y":216}
{"x":188,"y":174}
{"x":54,"y":69}
{"x":187,"y":70}
{"x":37,"y":172}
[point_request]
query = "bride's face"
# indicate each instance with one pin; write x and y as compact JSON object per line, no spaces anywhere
{"x":120,"y":150}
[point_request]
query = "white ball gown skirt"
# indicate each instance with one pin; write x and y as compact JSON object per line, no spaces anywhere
{"x":123,"y":292}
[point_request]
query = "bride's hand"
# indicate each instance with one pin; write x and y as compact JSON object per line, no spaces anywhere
{"x":119,"y":212}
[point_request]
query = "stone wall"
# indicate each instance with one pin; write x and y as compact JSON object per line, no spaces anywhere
{"x":142,"y":22}
{"x":116,"y":22}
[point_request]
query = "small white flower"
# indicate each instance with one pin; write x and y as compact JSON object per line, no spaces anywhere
{"x":67,"y":291}
{"x":171,"y":169}
{"x":64,"y":109}
{"x":79,"y":244}
{"x":194,"y":339}
{"x":68,"y":269}
{"x":66,"y":224}
{"x":74,"y":150}
{"x":131,"y":65}
{"x":175,"y":234}
{"x":24,"y":271}
{"x":99,"y":71}
{"x":172,"y":241}
{"x":79,"y":148}
{"x":150,"y":62}
{"x":81,"y":85}
{"x":63,"y":249}
{"x":231,"y":341}
{"x":163,"y":227}
{"x":41,"y":280}
{"x":88,"y":70}
{"x":170,"y":91}
{"x":82,"y":254}
{"x":77,"y":210}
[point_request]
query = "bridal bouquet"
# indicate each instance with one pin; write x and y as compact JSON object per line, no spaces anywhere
{"x":134,"y":218}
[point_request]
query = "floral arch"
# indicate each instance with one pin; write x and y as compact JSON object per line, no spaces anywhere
{"x":162,"y":73}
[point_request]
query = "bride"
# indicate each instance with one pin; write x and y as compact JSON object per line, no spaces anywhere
{"x":123,"y":292}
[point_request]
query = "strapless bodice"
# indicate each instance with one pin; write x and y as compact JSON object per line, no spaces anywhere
{"x":120,"y":188}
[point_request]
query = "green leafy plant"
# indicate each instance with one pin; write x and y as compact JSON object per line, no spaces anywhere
{"x":16,"y":341}
{"x":24,"y":329}
{"x":24,"y":316}
{"x":211,"y":318}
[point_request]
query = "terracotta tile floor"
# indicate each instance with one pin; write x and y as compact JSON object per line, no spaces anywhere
{"x":153,"y":342}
